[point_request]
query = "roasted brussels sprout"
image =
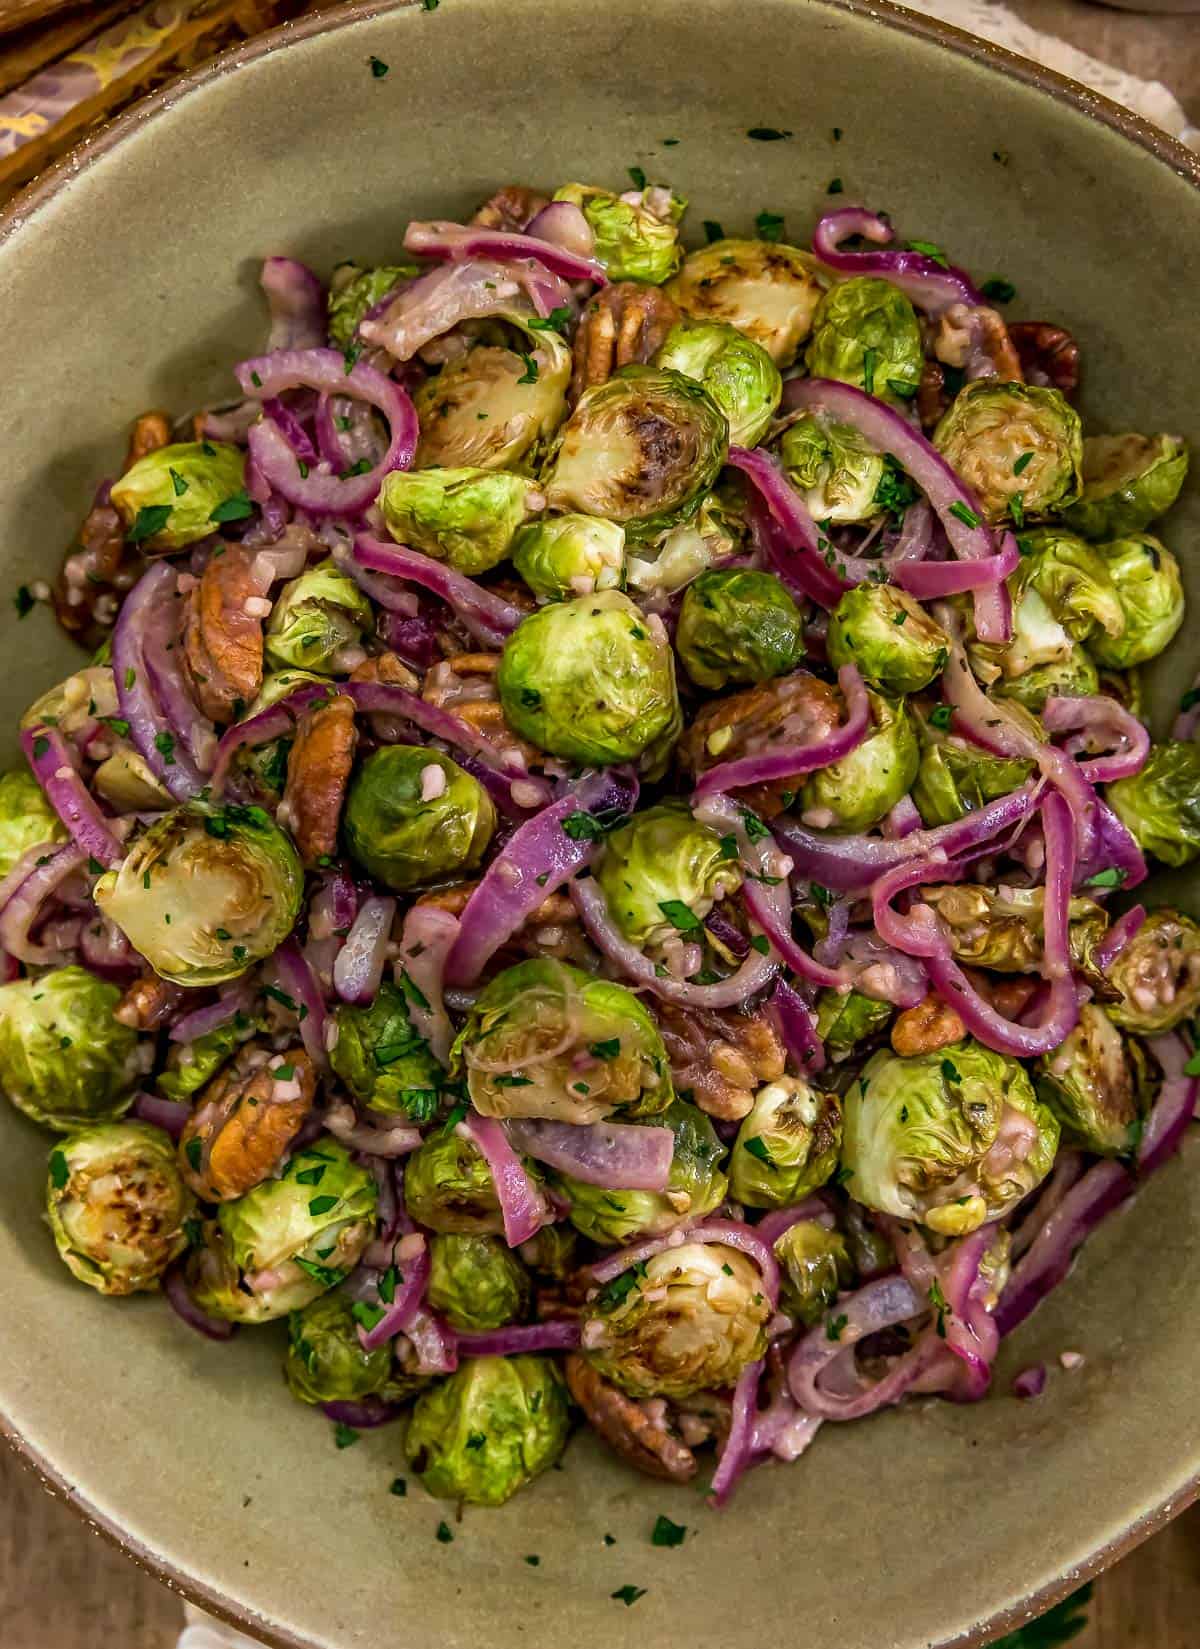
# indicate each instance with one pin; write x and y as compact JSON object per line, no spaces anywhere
{"x":127,"y":783}
{"x":192,"y":1064}
{"x":26,"y":817}
{"x":71,"y":704}
{"x":737,"y":625}
{"x":1160,"y":806}
{"x":738,"y":374}
{"x":1073,"y":580}
{"x":788,"y":1145}
{"x":895,"y":644}
{"x":834,"y":469}
{"x":117,"y":1206}
{"x":846,"y":1021}
{"x":856,"y":792}
{"x":866,"y":333}
{"x":814,"y":1264}
{"x":464,"y":517}
{"x":317,"y":617}
{"x":682,"y":553}
{"x":955,"y":778}
{"x":641,"y":449}
{"x":767,"y":291}
{"x":382,"y":1059}
{"x":325,"y":1361}
{"x":1145,"y":576}
{"x":448,"y":1187}
{"x":1014,"y":441}
{"x":206,"y":892}
{"x":475,"y":1281}
{"x":1091,"y":1086}
{"x":354,"y":290}
{"x":662,"y":873}
{"x":493,"y":408}
{"x":64,"y":1060}
{"x":692,"y":1318}
{"x":570,"y":555}
{"x":952,"y":1139}
{"x":1069,"y":676}
{"x":1003,"y":928}
{"x":1128,"y":482}
{"x":412,"y":815}
{"x":592,"y":680}
{"x":637,"y":233}
{"x":167,"y":499}
{"x":545,"y":1040}
{"x":489,"y":1429}
{"x":695,"y":1188}
{"x":1157,"y":974}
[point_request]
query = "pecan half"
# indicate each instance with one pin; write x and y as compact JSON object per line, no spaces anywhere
{"x":466,"y":686}
{"x":722,"y":1057}
{"x":623,"y":324}
{"x":975,"y":338}
{"x":388,"y":669}
{"x":795,"y":709}
{"x":318,"y":771}
{"x":222,"y":640}
{"x":239,"y":1131}
{"x":511,"y":208}
{"x":932,"y":395}
{"x":930,"y":1025}
{"x":1049,"y":355}
{"x":151,"y":431}
{"x":148,"y":1003}
{"x":643,"y":1439}
{"x":87,"y":590}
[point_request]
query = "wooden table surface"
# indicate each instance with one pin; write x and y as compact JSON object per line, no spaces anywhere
{"x":63,"y":1588}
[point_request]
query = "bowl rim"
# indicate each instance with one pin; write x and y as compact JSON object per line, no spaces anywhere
{"x":1156,"y":142}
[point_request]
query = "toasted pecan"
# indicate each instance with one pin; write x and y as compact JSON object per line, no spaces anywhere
{"x":642,"y":1438}
{"x":318,"y":771}
{"x":238,"y":1133}
{"x":624,"y":324}
{"x":222,"y":641}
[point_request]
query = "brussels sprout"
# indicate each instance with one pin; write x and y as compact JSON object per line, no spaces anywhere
{"x":476,"y":1282}
{"x":464,"y":517}
{"x":117,"y":1206}
{"x":889,"y":636}
{"x":955,"y":778}
{"x":26,"y":817}
{"x":1067,"y":677}
{"x":412,"y":815}
{"x":1090,"y":1085}
{"x":169,"y":498}
{"x":1003,"y":928}
{"x":354,"y":290}
{"x":206,"y":892}
{"x":696,"y":1186}
{"x":738,"y":374}
{"x":637,"y":234}
{"x":856,"y":792}
{"x":85,"y":696}
{"x":846,"y":1021}
{"x":738,"y":625}
{"x":866,"y":333}
{"x":317,"y":618}
{"x":836,"y":472}
{"x":325,"y":1361}
{"x":1073,"y":580}
{"x":545,"y":1040}
{"x":1160,"y":806}
{"x":1157,"y":974}
{"x":128,"y":784}
{"x":766,"y":290}
{"x":552,"y":1252}
{"x":192,"y":1064}
{"x":662,"y":872}
{"x":787,"y":1147}
{"x":1128,"y":482}
{"x":570,"y":555}
{"x":1148,"y":585}
{"x":921,"y":1135}
{"x":814,"y":1265}
{"x":494,"y":408}
{"x":64,"y":1060}
{"x":1037,"y":639}
{"x":448,"y":1186}
{"x":685,"y":551}
{"x":690,"y":1318}
{"x":384,"y":1062}
{"x":489,"y":1429}
{"x":592,"y":680}
{"x":641,"y":449}
{"x":268,"y":763}
{"x":1014,"y":441}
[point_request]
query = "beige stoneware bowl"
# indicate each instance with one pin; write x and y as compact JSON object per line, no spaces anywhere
{"x":127,"y":280}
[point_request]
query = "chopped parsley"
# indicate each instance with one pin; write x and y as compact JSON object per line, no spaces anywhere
{"x":938,"y":1301}
{"x":964,"y":513}
{"x":895,"y":491}
{"x":445,"y":1534}
{"x":367,"y":1316}
{"x":769,"y":226}
{"x":666,"y":1533}
{"x":614,"y":1292}
{"x":345,"y":1436}
{"x":178,"y":482}
{"x":998,"y":290}
{"x":533,"y":1560}
{"x":638,"y":176}
{"x":235,"y":508}
{"x":311,"y":1176}
{"x":476,"y":1440}
{"x":756,"y":830}
{"x":605,"y":1050}
{"x":756,"y":1146}
{"x":929,"y":250}
{"x":836,"y":187}
{"x":512,"y":1082}
{"x":835,"y":1326}
{"x":23,"y":601}
{"x":583,"y":827}
{"x":194,"y":1152}
{"x":378,"y":67}
{"x":282,"y":997}
{"x":1021,"y":464}
{"x":164,"y":743}
{"x":329,"y":1276}
{"x":556,"y":321}
{"x":1016,"y":508}
{"x":767,"y":134}
{"x":1113,"y":877}
{"x":628,"y":1595}
{"x":713,"y":231}
{"x":150,"y":519}
{"x":941,"y":716}
{"x":399,"y":1487}
{"x":950,"y":1071}
{"x":760,"y":943}
{"x":59,"y":1172}
{"x":681,"y":918}
{"x":530,"y":374}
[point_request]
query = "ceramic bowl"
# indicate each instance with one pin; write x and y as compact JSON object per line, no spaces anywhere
{"x":128,"y":280}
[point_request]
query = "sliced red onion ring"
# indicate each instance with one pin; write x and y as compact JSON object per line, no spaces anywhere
{"x":1030,"y":1382}
{"x":200,"y":1021}
{"x":779,"y":1221}
{"x":620,"y":1156}
{"x":488,"y":618}
{"x":931,"y":285}
{"x":159,"y":640}
{"x":410,"y":1291}
{"x":1103,"y":1188}
{"x":903,"y":819}
{"x":730,"y":1233}
{"x":797,"y":1029}
{"x":563,"y":224}
{"x":767,"y":766}
{"x":276,"y":721}
{"x":932,"y":580}
{"x":296,"y":300}
{"x":1068,"y":1166}
{"x":426,"y":940}
{"x":105,"y":950}
{"x":884,"y":1303}
{"x":171,"y":1115}
{"x":358,"y":967}
{"x":1092,"y":716}
{"x":388,"y":1139}
{"x":181,"y":1301}
{"x":53,"y":768}
{"x":433,"y":1342}
{"x":149,"y":728}
{"x":1118,"y":936}
{"x":297,"y":979}
{"x":365,"y":1415}
{"x":292,"y":430}
{"x":23,"y":906}
{"x":1175,"y":1106}
{"x":438,"y":239}
{"x":735,"y":1452}
{"x":436,"y":302}
{"x":557,"y":1334}
{"x":522,"y":1206}
{"x":791,"y":538}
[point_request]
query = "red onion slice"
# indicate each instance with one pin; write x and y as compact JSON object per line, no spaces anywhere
{"x":181,"y":1301}
{"x":932,"y":580}
{"x":171,"y":1115}
{"x":1118,"y":936}
{"x":930,"y":285}
{"x":365,"y":1415}
{"x":563,"y":224}
{"x":780,"y":1221}
{"x":433,"y":1342}
{"x":797,"y":1029}
{"x":620,"y":1156}
{"x":461,"y":290}
{"x":24,"y":903}
{"x":791,"y":538}
{"x":438,"y":239}
{"x":47,"y":754}
{"x":730,"y":1233}
{"x":1091,"y":716}
{"x":387,"y":1139}
{"x":1175,"y":1106}
{"x":149,"y":730}
{"x":488,"y":618}
{"x":426,"y":940}
{"x":1103,"y":1188}
{"x":522,"y":1206}
{"x":200,"y":1021}
{"x":358,"y":967}
{"x":296,"y":300}
{"x":557,"y":1334}
{"x":297,"y":979}
{"x":410,"y":1291}
{"x":884,"y":1303}
{"x":770,"y":765}
{"x":1030,"y":1382}
{"x":735,"y":1452}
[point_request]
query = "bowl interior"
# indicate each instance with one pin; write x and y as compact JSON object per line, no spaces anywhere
{"x":133,"y":284}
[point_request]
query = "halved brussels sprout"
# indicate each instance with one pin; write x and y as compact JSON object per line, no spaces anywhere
{"x":64,"y":1060}
{"x":545,"y":1040}
{"x":1157,"y":974}
{"x":89,"y":694}
{"x":662,"y":872}
{"x":412,"y":815}
{"x":488,"y":1429}
{"x":955,"y":778}
{"x":464,"y":517}
{"x":1037,"y":639}
{"x":325,"y":1361}
{"x":738,"y":374}
{"x":641,"y":449}
{"x":689,"y":1319}
{"x":858,"y":791}
{"x":737,"y":625}
{"x":845,"y":1021}
{"x":866,"y":333}
{"x":206,"y":892}
{"x":448,"y":1186}
{"x":1091,"y":1086}
{"x":766,"y":290}
{"x":384,"y":1062}
{"x":353,"y":290}
{"x":592,"y":680}
{"x":814,"y":1263}
{"x":1160,"y":806}
{"x":1072,"y":675}
{"x":696,"y":1186}
{"x":1073,"y":580}
{"x":1014,"y":441}
{"x":475,"y":1282}
{"x":190,"y":1065}
{"x":1146,"y":578}
{"x":684,"y":552}
{"x":570,"y":555}
{"x":952,"y":1139}
{"x":1003,"y":928}
{"x":126,"y":781}
{"x":1128,"y":482}
{"x":787,"y":1147}
{"x":637,"y":233}
{"x":316,"y":618}
{"x":167,"y":499}
{"x":890,"y":637}
{"x":836,"y":472}
{"x":117,"y":1206}
{"x":26,"y":817}
{"x":493,"y":408}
